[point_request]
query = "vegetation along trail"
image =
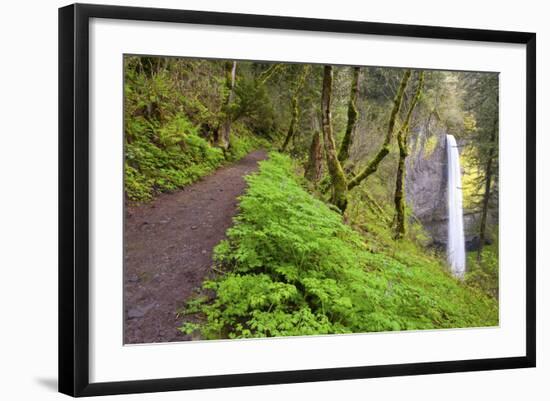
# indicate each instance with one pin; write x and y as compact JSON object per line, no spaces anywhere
{"x":344,"y":228}
{"x":168,"y":249}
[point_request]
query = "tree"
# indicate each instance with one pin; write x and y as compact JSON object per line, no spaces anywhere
{"x":313,"y":167}
{"x":483,"y":104}
{"x":402,"y":141}
{"x":343,"y":153}
{"x":267,"y":74}
{"x":224,"y":129}
{"x":338,"y":179}
{"x":372,"y":166}
{"x":487,"y":190}
{"x":295,"y":108}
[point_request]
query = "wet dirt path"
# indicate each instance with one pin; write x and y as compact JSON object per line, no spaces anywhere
{"x":168,"y":247}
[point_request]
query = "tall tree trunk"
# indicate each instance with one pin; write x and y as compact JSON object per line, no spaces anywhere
{"x":372,"y":166}
{"x":293,"y":121}
{"x":295,"y":110}
{"x":224,"y":130}
{"x":402,"y":141}
{"x":487,"y":194}
{"x":313,"y":167}
{"x":339,"y":183}
{"x":343,"y":153}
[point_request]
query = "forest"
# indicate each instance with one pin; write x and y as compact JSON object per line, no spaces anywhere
{"x":271,"y":199}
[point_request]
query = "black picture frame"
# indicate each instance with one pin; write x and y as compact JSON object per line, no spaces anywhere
{"x":74,"y":198}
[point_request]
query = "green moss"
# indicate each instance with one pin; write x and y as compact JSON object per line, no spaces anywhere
{"x":429,"y":146}
{"x":353,"y":113}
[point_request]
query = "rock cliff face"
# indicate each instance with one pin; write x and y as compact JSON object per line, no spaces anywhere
{"x":426,"y":183}
{"x":426,"y":180}
{"x":426,"y":175}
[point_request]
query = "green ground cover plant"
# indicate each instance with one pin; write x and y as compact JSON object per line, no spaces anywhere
{"x":293,"y":267}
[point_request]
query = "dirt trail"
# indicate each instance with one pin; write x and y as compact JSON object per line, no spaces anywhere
{"x":168,"y":249}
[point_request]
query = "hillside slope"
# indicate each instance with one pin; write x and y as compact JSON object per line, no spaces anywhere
{"x":293,"y":267}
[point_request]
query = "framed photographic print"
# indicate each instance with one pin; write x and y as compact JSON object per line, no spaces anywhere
{"x":250,"y":199}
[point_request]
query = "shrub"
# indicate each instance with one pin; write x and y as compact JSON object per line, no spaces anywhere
{"x":167,"y":130}
{"x":484,"y":274}
{"x":171,"y":160}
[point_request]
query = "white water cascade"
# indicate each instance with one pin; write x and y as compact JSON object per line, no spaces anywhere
{"x":456,"y":253}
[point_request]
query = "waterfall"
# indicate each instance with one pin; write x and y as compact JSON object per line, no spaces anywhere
{"x":456,"y":253}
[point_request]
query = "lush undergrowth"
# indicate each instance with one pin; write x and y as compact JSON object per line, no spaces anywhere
{"x":164,"y":157}
{"x":483,"y":274}
{"x":292,"y":267}
{"x":169,"y":129}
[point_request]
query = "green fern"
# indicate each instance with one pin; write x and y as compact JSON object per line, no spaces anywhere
{"x":294,"y":268}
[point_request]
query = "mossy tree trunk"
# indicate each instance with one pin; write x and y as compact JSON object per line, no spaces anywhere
{"x":487,"y":193}
{"x":267,"y":74}
{"x":224,"y":129}
{"x":343,"y":153}
{"x":338,"y":179}
{"x":295,"y":109}
{"x":402,"y":141}
{"x":313,"y":167}
{"x":372,"y":166}
{"x":293,"y":121}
